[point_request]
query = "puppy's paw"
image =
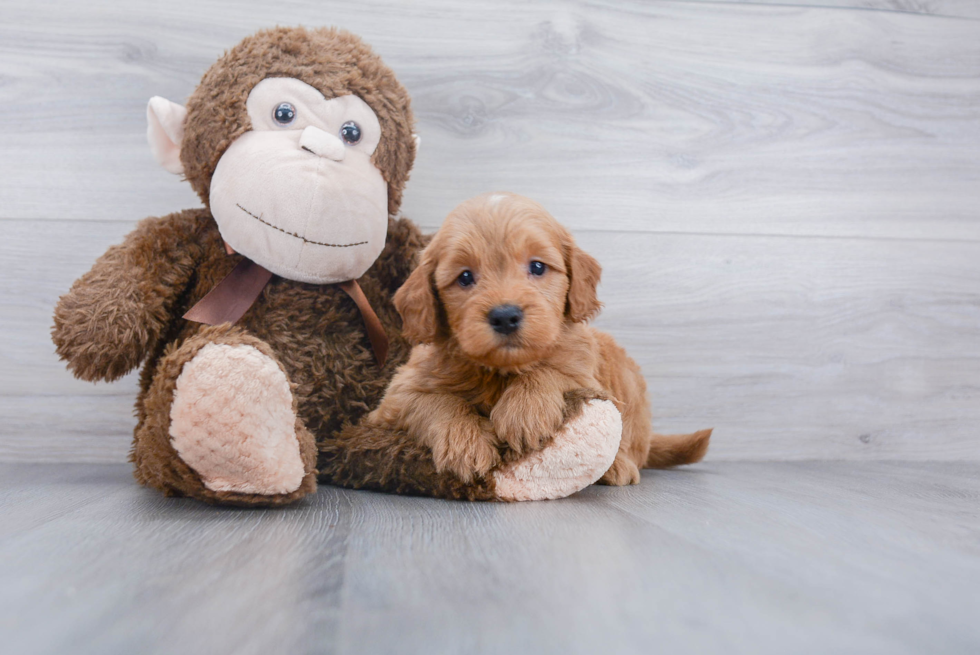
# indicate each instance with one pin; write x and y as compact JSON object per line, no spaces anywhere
{"x":527,"y":421}
{"x":622,"y":472}
{"x":467,"y":449}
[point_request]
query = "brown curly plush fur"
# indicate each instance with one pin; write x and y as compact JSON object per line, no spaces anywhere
{"x":333,"y":61}
{"x":157,"y":464}
{"x":371,"y":456}
{"x":128,"y":308}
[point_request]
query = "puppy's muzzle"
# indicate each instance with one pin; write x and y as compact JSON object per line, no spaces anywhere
{"x":505,"y":319}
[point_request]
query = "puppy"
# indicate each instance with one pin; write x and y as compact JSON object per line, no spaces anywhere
{"x":499,"y":304}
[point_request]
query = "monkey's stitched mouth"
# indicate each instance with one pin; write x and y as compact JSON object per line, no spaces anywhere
{"x":299,"y":236}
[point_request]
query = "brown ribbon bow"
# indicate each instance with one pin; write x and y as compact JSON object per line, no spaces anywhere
{"x":230,"y":299}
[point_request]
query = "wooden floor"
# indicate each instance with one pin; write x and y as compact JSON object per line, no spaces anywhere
{"x":784,"y":196}
{"x":726,"y":558}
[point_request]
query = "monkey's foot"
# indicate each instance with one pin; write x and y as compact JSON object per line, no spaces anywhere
{"x":577,"y":456}
{"x":234,"y":423}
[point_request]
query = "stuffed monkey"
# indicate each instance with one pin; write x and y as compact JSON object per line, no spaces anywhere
{"x":264,"y":320}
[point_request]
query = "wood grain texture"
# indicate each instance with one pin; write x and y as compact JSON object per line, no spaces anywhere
{"x":939,"y":8}
{"x":719,"y":558}
{"x":671,"y":116}
{"x":792,"y":348}
{"x":784,"y":195}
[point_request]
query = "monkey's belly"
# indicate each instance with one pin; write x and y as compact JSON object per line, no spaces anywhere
{"x":325,"y":350}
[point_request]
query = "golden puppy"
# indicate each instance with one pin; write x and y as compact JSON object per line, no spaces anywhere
{"x":500,"y":303}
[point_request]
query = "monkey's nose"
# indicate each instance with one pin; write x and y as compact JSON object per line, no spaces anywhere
{"x":321,"y":144}
{"x":505,"y":319}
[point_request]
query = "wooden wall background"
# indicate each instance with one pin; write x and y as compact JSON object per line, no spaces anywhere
{"x":784,"y":195}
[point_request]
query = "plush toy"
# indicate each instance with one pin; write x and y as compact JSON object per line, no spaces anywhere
{"x":265,"y":319}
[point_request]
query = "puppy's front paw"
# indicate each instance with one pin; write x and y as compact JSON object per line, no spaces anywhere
{"x":623,"y":471}
{"x":527,"y":421}
{"x":467,"y":449}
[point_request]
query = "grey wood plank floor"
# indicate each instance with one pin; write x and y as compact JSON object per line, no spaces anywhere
{"x":808,"y":557}
{"x":784,"y":196}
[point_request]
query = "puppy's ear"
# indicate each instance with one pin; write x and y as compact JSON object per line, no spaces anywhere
{"x":584,"y":273}
{"x":418,"y":305}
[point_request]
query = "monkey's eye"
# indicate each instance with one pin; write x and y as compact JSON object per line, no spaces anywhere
{"x":350,"y":132}
{"x":465,"y":279}
{"x":284,"y":114}
{"x":537,"y":268}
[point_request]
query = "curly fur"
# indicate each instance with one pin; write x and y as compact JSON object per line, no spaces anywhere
{"x":157,"y":463}
{"x":373,"y":456}
{"x":473,"y":395}
{"x":333,"y":61}
{"x":126,"y":310}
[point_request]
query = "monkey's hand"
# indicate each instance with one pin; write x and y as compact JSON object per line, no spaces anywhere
{"x":581,"y":451}
{"x":113,"y":315}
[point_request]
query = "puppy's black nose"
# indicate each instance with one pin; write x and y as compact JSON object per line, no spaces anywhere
{"x":505,"y":319}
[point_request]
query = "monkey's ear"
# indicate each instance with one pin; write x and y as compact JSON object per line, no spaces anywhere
{"x":165,"y":131}
{"x":418,"y":142}
{"x":418,"y":305}
{"x":584,"y":273}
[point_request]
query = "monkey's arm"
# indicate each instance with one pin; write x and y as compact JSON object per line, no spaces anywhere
{"x":366,"y":456}
{"x":371,"y":456}
{"x":107,"y":323}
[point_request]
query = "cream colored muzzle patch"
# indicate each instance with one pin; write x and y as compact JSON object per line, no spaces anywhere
{"x":296,"y":197}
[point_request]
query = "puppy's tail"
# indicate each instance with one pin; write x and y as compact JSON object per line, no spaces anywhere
{"x":676,"y":449}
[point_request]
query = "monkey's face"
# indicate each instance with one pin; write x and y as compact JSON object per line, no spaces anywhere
{"x":299,"y":193}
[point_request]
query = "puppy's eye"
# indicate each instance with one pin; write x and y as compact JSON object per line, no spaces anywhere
{"x":285,"y":113}
{"x":465,"y":279}
{"x":537,"y":268}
